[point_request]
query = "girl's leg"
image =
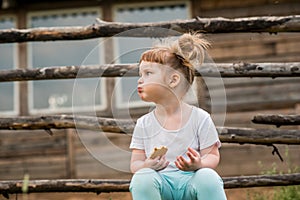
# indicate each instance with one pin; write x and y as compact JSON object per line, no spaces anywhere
{"x":147,"y":184}
{"x":205,"y":184}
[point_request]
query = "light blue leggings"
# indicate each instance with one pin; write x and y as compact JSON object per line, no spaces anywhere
{"x":204,"y":184}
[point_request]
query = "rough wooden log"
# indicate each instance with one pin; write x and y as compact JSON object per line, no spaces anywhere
{"x":271,"y":24}
{"x":243,"y":69}
{"x":226,"y":134}
{"x":65,"y":185}
{"x":65,"y":122}
{"x":278,"y":120}
{"x":113,"y":185}
{"x":69,"y":72}
{"x":258,"y":136}
{"x":261,"y":181}
{"x":117,"y":70}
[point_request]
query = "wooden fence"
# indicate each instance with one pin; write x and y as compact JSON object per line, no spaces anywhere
{"x":269,"y":137}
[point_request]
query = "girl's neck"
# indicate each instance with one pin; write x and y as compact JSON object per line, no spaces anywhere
{"x":170,"y":108}
{"x":173,"y":116}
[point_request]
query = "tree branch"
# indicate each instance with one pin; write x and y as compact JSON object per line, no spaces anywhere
{"x":271,"y":24}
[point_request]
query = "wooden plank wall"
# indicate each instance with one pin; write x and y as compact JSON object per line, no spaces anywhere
{"x":88,"y":162}
{"x":36,"y":153}
{"x":258,"y":47}
{"x":246,"y":94}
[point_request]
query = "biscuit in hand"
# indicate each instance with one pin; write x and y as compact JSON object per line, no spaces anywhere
{"x":159,"y":152}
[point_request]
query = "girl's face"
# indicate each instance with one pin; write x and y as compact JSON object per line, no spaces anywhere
{"x":152,"y":84}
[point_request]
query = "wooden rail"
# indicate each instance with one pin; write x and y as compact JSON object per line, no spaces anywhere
{"x":272,"y":24}
{"x":115,"y":185}
{"x":278,"y":120}
{"x":226,"y":70}
{"x":226,"y":134}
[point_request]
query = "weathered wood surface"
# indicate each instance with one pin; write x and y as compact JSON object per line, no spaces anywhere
{"x":69,"y":72}
{"x":242,"y":69}
{"x":271,"y":24}
{"x":258,"y":136}
{"x":30,"y":144}
{"x":255,"y":97}
{"x":226,"y":134}
{"x":117,"y":70}
{"x":253,"y":94}
{"x":117,"y":185}
{"x":64,"y":185}
{"x":64,"y":122}
{"x":261,"y":181}
{"x":278,"y":120}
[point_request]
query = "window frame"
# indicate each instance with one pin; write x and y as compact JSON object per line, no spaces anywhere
{"x":103,"y":96}
{"x":16,"y":88}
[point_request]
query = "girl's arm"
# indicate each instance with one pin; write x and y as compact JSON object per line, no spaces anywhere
{"x":208,"y":158}
{"x":138,"y":158}
{"x":139,"y":161}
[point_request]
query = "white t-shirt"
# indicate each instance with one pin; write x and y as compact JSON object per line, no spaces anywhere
{"x":199,"y":133}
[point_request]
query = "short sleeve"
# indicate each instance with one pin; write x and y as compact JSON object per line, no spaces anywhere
{"x":208,"y":134}
{"x":137,"y":141}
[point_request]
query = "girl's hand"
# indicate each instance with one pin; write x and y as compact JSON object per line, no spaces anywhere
{"x":189,"y":165}
{"x":158,"y":163}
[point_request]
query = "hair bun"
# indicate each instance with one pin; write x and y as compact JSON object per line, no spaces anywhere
{"x":192,"y":48}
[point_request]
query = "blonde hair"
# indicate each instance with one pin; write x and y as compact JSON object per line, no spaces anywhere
{"x":183,"y":54}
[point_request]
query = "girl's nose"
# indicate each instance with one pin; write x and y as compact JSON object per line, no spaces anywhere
{"x":140,"y":80}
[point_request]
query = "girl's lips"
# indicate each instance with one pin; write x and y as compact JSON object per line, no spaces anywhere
{"x":140,"y":89}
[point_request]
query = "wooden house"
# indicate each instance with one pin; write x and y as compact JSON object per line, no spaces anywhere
{"x":90,"y":154}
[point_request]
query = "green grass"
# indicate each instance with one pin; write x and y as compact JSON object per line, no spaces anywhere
{"x":278,"y":193}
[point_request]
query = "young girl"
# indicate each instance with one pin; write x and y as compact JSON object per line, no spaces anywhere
{"x":186,"y":171}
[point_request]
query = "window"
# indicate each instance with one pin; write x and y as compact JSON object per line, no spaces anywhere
{"x":58,"y":95}
{"x":8,"y":60}
{"x":128,"y":50}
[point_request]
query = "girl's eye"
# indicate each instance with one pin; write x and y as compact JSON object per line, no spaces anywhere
{"x":148,"y":73}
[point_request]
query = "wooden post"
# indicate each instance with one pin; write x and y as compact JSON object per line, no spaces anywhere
{"x":109,"y":58}
{"x":70,"y":156}
{"x":22,"y":63}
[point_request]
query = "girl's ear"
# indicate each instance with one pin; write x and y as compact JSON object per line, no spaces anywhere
{"x":174,"y":80}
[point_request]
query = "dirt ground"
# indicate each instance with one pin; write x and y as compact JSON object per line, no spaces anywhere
{"x":232,"y":194}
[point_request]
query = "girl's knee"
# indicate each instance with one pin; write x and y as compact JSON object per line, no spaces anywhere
{"x":207,"y":177}
{"x":207,"y":172}
{"x":144,"y":179}
{"x":206,"y":184}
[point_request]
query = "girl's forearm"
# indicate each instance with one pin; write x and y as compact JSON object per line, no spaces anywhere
{"x":136,"y":165}
{"x":210,"y":161}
